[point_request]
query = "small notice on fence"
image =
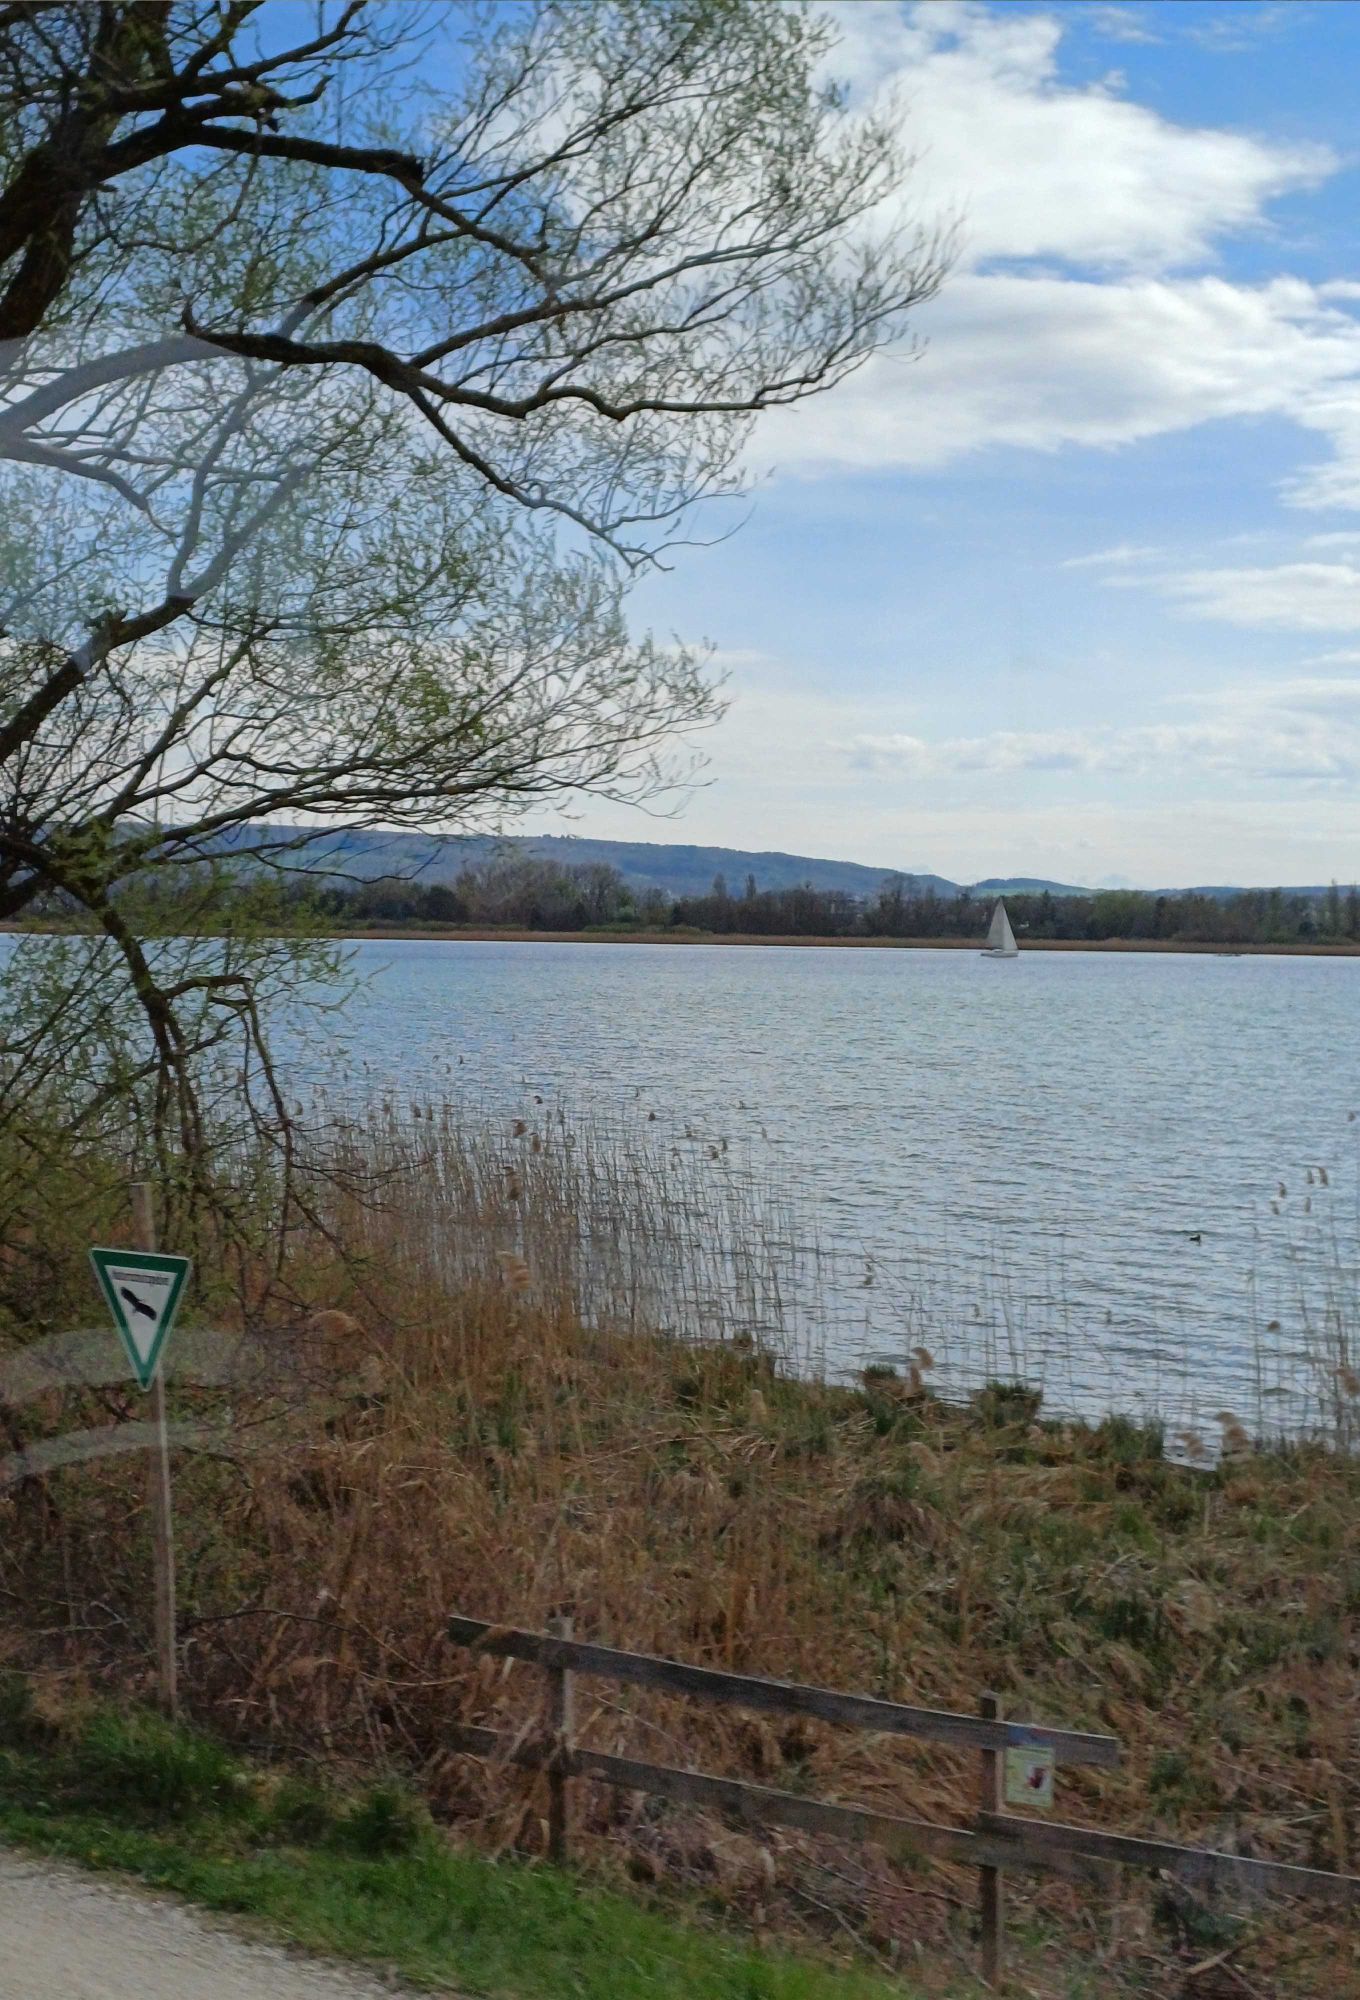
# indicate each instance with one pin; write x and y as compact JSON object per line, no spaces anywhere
{"x":1029,"y":1777}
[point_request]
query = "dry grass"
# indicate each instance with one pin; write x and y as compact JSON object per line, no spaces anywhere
{"x":501,"y":1435}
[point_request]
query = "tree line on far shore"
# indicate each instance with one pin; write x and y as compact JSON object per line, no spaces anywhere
{"x":528,"y":893}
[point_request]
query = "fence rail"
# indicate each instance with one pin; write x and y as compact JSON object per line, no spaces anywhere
{"x":997,"y":1842}
{"x":908,"y":1840}
{"x":858,"y":1711}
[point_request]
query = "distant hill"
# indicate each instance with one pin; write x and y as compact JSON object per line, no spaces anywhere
{"x":1222,"y":892}
{"x":684,"y":870}
{"x":680,"y":869}
{"x":1024,"y":885}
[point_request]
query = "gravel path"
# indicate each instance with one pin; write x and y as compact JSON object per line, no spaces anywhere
{"x":65,"y":1935}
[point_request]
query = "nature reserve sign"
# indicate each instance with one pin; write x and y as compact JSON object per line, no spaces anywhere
{"x":142,"y":1289}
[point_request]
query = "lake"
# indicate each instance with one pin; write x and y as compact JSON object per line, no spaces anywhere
{"x":1130,"y":1177}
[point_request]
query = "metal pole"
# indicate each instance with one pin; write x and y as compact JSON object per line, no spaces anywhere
{"x":158,"y":1491}
{"x":562,"y":1723}
{"x":991,"y":1886}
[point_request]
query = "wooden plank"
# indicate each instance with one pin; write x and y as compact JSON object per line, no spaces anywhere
{"x":907,"y":1840}
{"x":991,"y":1881}
{"x":888,"y":1718}
{"x":1001,"y":1841}
{"x":561,"y":1725}
{"x":1203,"y":1867}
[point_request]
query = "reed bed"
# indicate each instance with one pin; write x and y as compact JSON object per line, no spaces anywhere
{"x":706,"y":1236}
{"x":527,"y":1391}
{"x":681,"y":1239}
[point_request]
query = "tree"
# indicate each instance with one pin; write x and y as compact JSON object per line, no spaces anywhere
{"x":890,"y":907}
{"x":347,"y":376}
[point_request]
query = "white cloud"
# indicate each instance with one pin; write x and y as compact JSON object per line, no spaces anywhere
{"x":1040,"y":168}
{"x":1121,"y":556}
{"x":1123,"y":24}
{"x":1335,"y":695}
{"x":1300,"y":730}
{"x":1341,"y":538}
{"x":1042,"y":362}
{"x":1295,"y":597}
{"x":1230,"y":30}
{"x":1076,"y":316}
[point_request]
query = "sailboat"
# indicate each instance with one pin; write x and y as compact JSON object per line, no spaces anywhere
{"x":1000,"y":937}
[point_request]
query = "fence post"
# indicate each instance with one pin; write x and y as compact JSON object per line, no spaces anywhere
{"x":162,"y":1517}
{"x":991,"y":1885}
{"x":561,"y":1722}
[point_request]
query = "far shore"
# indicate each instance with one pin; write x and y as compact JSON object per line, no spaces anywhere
{"x":510,"y":934}
{"x":473,"y":934}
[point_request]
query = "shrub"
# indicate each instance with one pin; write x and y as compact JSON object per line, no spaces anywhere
{"x":301,"y":1810}
{"x":142,"y":1761}
{"x":1001,"y":1404}
{"x":1128,"y":1442}
{"x":383,"y":1820}
{"x":19,"y":1724}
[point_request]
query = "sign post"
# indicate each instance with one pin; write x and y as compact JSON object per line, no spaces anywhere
{"x":142,"y":1289}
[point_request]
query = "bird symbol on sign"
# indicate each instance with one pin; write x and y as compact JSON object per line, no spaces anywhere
{"x":138,"y":1305}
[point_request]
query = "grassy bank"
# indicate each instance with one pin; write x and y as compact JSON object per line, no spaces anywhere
{"x":463,"y":1413}
{"x":365,"y":1876}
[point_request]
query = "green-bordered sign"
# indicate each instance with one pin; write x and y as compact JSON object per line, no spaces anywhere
{"x":142,"y":1290}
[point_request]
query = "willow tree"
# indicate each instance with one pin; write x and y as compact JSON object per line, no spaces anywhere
{"x":348,"y":376}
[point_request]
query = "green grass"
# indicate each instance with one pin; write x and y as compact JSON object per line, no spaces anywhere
{"x":366,"y":1877}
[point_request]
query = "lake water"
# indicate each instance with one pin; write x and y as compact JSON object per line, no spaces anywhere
{"x":1097,"y":1170}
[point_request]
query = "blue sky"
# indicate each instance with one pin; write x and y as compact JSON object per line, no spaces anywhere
{"x":1077,"y":592}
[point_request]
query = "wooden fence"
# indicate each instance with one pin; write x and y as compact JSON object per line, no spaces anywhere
{"x":996,"y":1842}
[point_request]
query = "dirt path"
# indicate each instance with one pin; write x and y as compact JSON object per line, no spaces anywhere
{"x":65,"y":1935}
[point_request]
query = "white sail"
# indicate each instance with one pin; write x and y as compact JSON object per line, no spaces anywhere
{"x":1000,"y":937}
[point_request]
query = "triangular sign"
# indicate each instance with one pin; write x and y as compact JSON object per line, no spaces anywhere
{"x":142,"y":1289}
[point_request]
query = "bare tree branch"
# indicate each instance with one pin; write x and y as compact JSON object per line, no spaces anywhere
{"x":347,"y":374}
